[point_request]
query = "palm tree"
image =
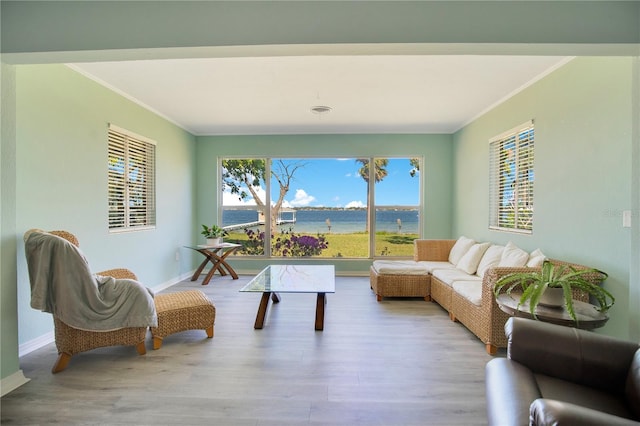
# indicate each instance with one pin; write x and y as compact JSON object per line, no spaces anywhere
{"x":379,"y":173}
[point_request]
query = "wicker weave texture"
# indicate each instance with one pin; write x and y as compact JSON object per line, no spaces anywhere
{"x":441,"y":293}
{"x":119,"y":273}
{"x":72,"y":341}
{"x":67,"y":236}
{"x":395,"y":285}
{"x":433,"y":250}
{"x":185,"y":310}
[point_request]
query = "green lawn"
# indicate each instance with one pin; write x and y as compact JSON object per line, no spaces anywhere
{"x":356,"y":245}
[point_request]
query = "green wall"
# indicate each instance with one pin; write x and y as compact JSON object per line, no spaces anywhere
{"x":8,"y":293}
{"x":61,"y":180}
{"x":583,"y":151}
{"x":436,"y":173}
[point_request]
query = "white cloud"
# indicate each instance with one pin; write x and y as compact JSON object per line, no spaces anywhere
{"x":229,"y":199}
{"x":301,"y":199}
{"x":352,"y":204}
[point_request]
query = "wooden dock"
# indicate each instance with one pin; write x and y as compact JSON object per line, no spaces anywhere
{"x":255,"y":223}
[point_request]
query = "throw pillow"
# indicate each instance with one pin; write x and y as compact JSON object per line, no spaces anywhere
{"x":459,"y":249}
{"x":536,"y":258}
{"x":469,"y":262}
{"x":513,"y":256}
{"x":490,"y":259}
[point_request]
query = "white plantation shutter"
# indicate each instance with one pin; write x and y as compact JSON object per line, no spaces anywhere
{"x":511,"y":179}
{"x":131,"y":181}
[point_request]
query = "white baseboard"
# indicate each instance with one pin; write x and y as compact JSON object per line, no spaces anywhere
{"x":172,"y":281}
{"x":36,"y":343}
{"x":12,"y":382}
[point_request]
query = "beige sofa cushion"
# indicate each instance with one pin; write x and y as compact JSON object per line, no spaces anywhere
{"x":462,"y":245}
{"x":513,"y":256}
{"x":470,"y":290}
{"x":536,"y":258}
{"x":471,"y":259}
{"x":399,"y":267}
{"x":432,"y":265}
{"x":448,"y":276}
{"x":490,"y":259}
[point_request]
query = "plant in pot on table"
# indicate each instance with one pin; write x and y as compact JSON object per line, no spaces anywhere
{"x":213,"y":234}
{"x":539,"y":286}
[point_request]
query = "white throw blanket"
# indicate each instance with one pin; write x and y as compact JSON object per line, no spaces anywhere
{"x":62,"y":284}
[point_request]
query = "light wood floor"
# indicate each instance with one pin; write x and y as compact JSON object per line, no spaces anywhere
{"x":398,"y":362}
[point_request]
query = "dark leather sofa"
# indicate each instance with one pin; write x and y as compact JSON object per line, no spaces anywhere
{"x":556,"y":375}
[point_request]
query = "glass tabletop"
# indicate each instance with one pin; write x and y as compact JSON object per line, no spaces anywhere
{"x":217,"y":246}
{"x":294,"y":279}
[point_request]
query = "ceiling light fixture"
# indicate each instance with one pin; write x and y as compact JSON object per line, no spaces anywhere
{"x":320,"y":109}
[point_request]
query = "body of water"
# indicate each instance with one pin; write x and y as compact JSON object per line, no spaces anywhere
{"x":341,"y":221}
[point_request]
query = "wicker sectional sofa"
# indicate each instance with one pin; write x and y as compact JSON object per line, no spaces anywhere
{"x":464,"y":289}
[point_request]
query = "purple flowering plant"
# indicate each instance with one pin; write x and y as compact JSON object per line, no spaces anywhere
{"x":287,"y":244}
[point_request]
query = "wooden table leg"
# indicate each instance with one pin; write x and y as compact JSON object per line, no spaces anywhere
{"x":275,"y":297}
{"x":320,"y":302}
{"x":218,"y":262}
{"x":212,"y":256}
{"x":198,"y":271}
{"x":209,"y":275}
{"x":262,"y":310}
{"x":222,"y":264}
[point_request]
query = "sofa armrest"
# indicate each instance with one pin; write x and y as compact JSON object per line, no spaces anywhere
{"x":491,"y":312}
{"x":119,"y":273}
{"x":578,"y":356}
{"x":432,"y":250}
{"x":551,"y":412}
{"x":510,"y":388}
{"x":492,"y":275}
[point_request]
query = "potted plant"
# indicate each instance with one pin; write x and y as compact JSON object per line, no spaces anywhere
{"x":213,"y":234}
{"x":560,"y":279}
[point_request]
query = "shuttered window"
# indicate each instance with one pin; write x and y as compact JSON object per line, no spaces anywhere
{"x":132,"y":200}
{"x":512,"y":178}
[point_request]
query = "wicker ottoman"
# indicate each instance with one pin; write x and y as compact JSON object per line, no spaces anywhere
{"x":409,"y":283}
{"x":185,"y":310}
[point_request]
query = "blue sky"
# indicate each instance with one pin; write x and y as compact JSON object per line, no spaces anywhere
{"x":336,"y":183}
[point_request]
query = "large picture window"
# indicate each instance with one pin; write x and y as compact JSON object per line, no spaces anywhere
{"x":322,"y":207}
{"x":131,"y":181}
{"x":512,"y":178}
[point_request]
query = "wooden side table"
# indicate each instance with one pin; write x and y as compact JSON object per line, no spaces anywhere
{"x":587,"y":315}
{"x":216,"y":255}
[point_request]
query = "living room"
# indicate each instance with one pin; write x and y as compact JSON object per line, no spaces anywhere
{"x":586,"y":116}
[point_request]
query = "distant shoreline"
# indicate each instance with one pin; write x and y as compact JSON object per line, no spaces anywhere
{"x":334,"y":220}
{"x":399,"y":208}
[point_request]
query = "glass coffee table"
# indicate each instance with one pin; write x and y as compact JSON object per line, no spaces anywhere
{"x":275,"y":279}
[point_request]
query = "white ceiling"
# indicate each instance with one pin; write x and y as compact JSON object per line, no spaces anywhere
{"x":367,"y":94}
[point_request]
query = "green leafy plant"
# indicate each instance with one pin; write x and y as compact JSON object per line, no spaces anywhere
{"x":213,"y":231}
{"x":533,"y":284}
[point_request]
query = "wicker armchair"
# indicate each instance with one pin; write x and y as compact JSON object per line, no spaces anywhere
{"x":71,"y":341}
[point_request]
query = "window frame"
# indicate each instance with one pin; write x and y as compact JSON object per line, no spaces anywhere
{"x":521,"y":197}
{"x":372,"y":212}
{"x":138,"y":153}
